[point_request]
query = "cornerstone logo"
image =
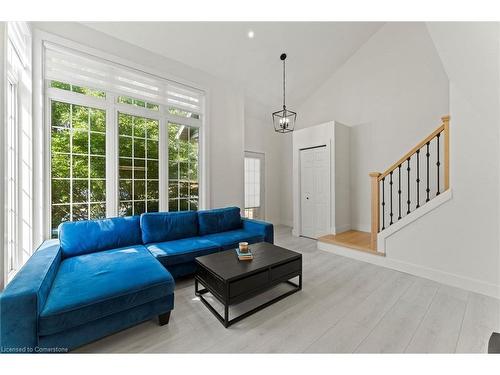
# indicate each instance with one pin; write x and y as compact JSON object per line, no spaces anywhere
{"x":54,"y":349}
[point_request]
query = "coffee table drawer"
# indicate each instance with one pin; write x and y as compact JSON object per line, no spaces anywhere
{"x":286,"y":269}
{"x":215,"y":285}
{"x":248,"y":283}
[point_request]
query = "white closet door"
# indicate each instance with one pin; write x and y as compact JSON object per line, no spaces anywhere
{"x":315,"y":192}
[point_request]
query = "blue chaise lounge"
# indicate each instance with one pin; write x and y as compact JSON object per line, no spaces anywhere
{"x":101,"y":276}
{"x":96,"y":280}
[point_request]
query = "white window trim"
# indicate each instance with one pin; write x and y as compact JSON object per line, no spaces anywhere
{"x":41,"y":119}
{"x":3,"y":136}
{"x":14,"y":81}
{"x":17,"y":72}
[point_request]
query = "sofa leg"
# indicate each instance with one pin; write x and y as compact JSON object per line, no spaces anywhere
{"x":164,"y":318}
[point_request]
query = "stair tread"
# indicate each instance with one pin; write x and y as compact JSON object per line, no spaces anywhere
{"x":352,"y":239}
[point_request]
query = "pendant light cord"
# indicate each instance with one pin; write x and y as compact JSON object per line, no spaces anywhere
{"x":283,"y":84}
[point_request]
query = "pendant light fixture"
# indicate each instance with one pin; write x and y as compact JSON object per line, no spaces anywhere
{"x":284,"y":120}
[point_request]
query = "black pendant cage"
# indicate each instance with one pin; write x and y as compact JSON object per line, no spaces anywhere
{"x":284,"y":120}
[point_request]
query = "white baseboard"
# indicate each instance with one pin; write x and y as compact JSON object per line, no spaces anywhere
{"x":342,"y":228}
{"x":361,"y":227}
{"x":279,"y":221}
{"x":473,"y":285}
{"x":411,"y":217}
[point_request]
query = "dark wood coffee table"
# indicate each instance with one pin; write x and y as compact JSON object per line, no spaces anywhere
{"x":232,"y":281}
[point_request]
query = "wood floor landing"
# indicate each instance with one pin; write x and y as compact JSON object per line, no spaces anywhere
{"x":353,"y":239}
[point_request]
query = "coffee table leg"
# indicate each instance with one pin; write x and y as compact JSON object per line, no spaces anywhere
{"x":226,"y":316}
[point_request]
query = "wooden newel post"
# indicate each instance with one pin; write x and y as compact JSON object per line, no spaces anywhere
{"x":375,"y":209}
{"x":446,"y":132}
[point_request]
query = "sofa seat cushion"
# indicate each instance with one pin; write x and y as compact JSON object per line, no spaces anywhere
{"x":230,"y":239}
{"x":92,"y":286}
{"x":182,"y":251}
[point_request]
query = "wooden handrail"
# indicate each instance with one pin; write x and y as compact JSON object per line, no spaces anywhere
{"x":417,"y":147}
{"x":376,"y":177}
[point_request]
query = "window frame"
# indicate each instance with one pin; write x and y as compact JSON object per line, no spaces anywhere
{"x":67,"y":99}
{"x":178,"y":198}
{"x":112,"y":108}
{"x":125,"y":111}
{"x":262,"y":195}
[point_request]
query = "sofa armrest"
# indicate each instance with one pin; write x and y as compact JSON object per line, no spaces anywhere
{"x":261,"y":227}
{"x":24,"y":297}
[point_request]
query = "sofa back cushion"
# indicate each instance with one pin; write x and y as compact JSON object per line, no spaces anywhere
{"x":219,"y":220}
{"x":168,"y":226}
{"x":90,"y":236}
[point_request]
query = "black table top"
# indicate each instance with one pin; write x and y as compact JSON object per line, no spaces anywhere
{"x":227,"y":265}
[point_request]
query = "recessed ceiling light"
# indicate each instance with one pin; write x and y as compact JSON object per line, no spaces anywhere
{"x":250,"y":34}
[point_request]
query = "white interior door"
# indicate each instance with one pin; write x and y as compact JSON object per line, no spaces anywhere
{"x":315,"y":191}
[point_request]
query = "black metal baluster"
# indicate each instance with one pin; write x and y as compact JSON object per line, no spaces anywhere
{"x":418,"y":179}
{"x":438,"y":164}
{"x":399,"y":191}
{"x":383,"y":203}
{"x":408,"y":170}
{"x":428,"y":190}
{"x":391,"y":214}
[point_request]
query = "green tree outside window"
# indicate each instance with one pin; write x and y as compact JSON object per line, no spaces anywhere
{"x":78,"y":168}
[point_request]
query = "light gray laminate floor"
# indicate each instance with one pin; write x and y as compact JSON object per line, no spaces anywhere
{"x":345,"y":306}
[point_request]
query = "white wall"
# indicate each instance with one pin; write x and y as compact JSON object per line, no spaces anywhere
{"x":342,"y":177}
{"x":225,"y":109}
{"x":261,"y":137}
{"x":286,"y":200}
{"x":395,"y":87}
{"x":460,"y":239}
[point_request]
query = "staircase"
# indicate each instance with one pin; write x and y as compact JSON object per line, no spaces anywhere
{"x":402,"y":193}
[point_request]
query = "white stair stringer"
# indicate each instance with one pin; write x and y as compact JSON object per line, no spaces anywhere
{"x":411,"y":217}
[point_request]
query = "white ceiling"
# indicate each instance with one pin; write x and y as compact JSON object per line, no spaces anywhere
{"x":315,"y":50}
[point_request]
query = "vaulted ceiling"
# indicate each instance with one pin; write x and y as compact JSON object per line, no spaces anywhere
{"x":315,"y":51}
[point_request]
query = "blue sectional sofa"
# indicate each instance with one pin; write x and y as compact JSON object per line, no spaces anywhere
{"x":103,"y":276}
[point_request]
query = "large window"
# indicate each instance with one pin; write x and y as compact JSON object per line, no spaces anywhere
{"x":138,"y":164}
{"x":122,"y":142}
{"x":78,"y":163}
